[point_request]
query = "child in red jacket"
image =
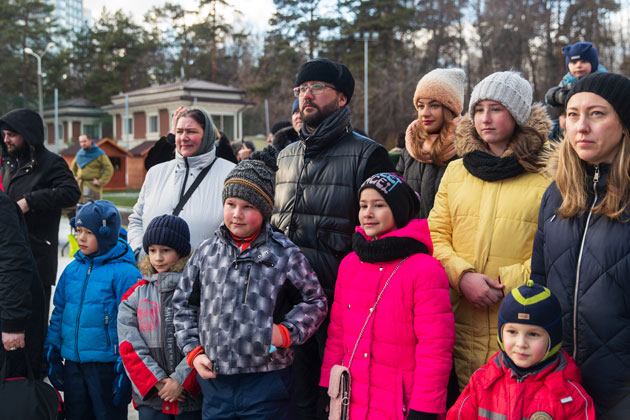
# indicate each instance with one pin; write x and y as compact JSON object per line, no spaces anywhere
{"x":531,"y":377}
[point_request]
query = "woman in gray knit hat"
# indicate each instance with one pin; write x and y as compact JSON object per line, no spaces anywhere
{"x":484,"y":217}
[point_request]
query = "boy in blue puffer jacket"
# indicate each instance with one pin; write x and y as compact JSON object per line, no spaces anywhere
{"x":83,"y":324}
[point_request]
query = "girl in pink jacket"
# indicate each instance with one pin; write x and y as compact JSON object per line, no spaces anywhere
{"x":401,"y":367}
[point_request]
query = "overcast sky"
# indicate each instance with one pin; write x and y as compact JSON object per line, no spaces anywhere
{"x":255,"y":12}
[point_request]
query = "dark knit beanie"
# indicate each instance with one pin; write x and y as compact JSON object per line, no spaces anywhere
{"x":325,"y":70}
{"x":279,"y":126}
{"x":613,"y":87}
{"x":168,"y":230}
{"x":253,"y":180}
{"x":581,"y":51}
{"x":400,"y":197}
{"x":295,"y":106}
{"x":103,"y":219}
{"x":533,"y":304}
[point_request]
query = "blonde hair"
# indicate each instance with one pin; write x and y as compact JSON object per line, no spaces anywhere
{"x":571,"y":182}
{"x":437,"y":148}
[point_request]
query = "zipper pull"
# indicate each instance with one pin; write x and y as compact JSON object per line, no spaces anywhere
{"x":106,"y":319}
{"x":596,"y":176}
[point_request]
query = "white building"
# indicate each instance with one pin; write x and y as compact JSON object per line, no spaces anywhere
{"x":148,"y":111}
{"x":70,"y":14}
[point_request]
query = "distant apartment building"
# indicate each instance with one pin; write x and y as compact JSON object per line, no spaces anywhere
{"x":70,"y":14}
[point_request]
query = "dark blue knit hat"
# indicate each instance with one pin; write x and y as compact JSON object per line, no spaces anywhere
{"x":103,"y":219}
{"x":295,"y":106}
{"x":533,"y":304}
{"x":168,"y":230}
{"x":581,"y":51}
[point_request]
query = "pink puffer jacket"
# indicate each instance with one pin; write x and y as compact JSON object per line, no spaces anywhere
{"x":404,"y":358}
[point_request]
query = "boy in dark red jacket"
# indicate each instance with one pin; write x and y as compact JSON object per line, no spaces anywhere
{"x":530,"y":378}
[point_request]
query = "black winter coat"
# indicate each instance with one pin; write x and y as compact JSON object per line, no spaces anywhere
{"x":423,"y":178}
{"x":21,"y":291}
{"x":44,"y":179}
{"x":585,"y":262}
{"x":316,"y":198}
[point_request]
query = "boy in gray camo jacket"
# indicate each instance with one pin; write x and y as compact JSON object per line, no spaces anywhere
{"x":234,"y":318}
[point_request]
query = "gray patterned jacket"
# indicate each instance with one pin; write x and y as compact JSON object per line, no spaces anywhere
{"x":226,"y":299}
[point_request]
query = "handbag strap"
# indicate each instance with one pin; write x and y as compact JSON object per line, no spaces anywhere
{"x":372,"y":310}
{"x":184,"y":198}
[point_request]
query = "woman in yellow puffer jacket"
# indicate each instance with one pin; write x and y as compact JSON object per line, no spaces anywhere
{"x":486,"y":210}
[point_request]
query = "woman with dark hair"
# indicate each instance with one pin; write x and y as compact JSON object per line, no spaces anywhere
{"x":189,"y":185}
{"x":439,"y":100}
{"x":582,"y":247}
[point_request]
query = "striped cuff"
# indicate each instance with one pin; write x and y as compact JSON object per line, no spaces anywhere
{"x":286,"y":337}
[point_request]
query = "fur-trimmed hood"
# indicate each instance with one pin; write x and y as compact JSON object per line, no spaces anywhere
{"x":522,"y":146}
{"x":146,"y":268}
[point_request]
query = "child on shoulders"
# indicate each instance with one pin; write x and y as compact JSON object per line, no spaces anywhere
{"x":164,"y":386}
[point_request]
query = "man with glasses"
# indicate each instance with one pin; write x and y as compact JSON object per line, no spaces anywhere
{"x":316,"y":202}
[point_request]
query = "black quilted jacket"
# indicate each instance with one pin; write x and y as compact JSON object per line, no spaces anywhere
{"x":585,"y":261}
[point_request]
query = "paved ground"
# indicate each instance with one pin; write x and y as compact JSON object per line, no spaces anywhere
{"x":64,"y":260}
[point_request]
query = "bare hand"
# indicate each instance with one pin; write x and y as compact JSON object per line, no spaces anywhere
{"x":171,"y":390}
{"x":179,"y":111}
{"x":13,"y":341}
{"x":95,"y":182}
{"x":480,"y":290}
{"x":23,"y":205}
{"x":243,"y":153}
{"x":203,"y":366}
{"x":276,"y":337}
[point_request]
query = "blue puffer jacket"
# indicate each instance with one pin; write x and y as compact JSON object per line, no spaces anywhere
{"x":83,"y":323}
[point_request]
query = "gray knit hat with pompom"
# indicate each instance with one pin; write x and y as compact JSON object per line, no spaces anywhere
{"x":253,"y":180}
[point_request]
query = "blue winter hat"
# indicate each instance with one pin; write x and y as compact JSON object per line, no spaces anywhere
{"x":582,"y":51}
{"x":533,"y":304}
{"x":103,"y":219}
{"x":295,"y":106}
{"x":168,"y":230}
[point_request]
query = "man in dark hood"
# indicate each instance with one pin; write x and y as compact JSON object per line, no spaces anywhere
{"x":40,"y":182}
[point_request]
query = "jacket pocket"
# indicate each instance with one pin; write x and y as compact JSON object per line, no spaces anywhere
{"x":109,"y":341}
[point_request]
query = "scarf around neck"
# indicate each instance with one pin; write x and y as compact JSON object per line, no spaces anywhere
{"x":489,"y":167}
{"x":85,"y":156}
{"x":386,"y":249}
{"x":413,"y":136}
{"x":328,"y":131}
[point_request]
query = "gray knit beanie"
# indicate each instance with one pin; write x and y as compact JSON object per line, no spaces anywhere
{"x":510,"y":90}
{"x":253,"y":180}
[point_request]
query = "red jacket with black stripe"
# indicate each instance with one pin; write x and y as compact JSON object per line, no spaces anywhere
{"x":148,"y":347}
{"x":555,"y":393}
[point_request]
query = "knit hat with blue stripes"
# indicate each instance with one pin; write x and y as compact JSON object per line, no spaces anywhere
{"x":534,"y":305}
